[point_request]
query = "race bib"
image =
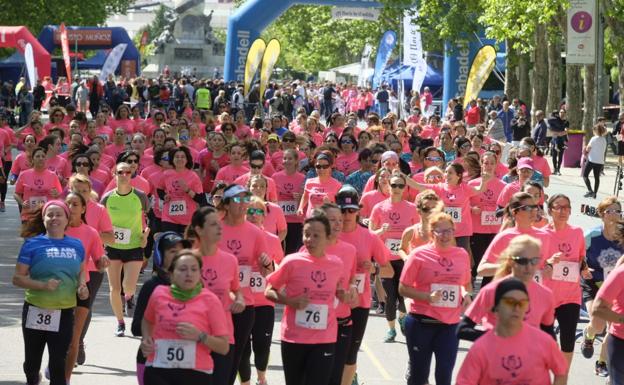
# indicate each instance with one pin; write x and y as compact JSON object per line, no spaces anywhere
{"x":566,"y":271}
{"x":177,"y":208}
{"x":450,"y":295}
{"x":244,"y":275}
{"x":175,"y":354}
{"x":122,"y":236}
{"x":360,"y":280}
{"x":488,"y":218}
{"x":606,"y":271}
{"x":257,"y":283}
{"x":314,"y":316}
{"x":37,"y":201}
{"x":394,"y":245}
{"x":43,"y":319}
{"x":289,"y":207}
{"x":455,"y":213}
{"x":538,"y":277}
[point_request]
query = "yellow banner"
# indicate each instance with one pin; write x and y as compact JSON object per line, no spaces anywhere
{"x":271,"y":54}
{"x":482,"y":65}
{"x":254,"y":58}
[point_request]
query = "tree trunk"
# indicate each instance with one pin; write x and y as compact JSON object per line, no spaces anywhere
{"x":540,"y":72}
{"x":589,"y":91}
{"x":554,"y":75}
{"x":512,"y":84}
{"x":573,"y":96}
{"x":524,"y":92}
{"x":620,"y":63}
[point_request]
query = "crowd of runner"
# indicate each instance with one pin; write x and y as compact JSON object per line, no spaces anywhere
{"x":329,"y":210}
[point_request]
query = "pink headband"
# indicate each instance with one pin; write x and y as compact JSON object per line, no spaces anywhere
{"x":58,"y":203}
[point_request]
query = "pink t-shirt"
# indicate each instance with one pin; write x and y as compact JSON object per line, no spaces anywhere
{"x":179,"y":208}
{"x":369,"y":200}
{"x":566,"y":279}
{"x":501,"y":170}
{"x":399,"y":216}
{"x":287,"y":186}
{"x":502,"y":240}
{"x":59,"y":166}
{"x":35,"y":188}
{"x":508,"y":191}
{"x":220,"y":275}
{"x":541,"y":164}
{"x":347,"y":253}
{"x":97,"y":217}
{"x":274,"y":220}
{"x":137,"y":181}
{"x":541,"y":306}
{"x":486,"y":222}
{"x":457,"y":204}
{"x":317,"y":191}
{"x":612,"y":290}
{"x":258,"y":282}
{"x":229,"y":173}
{"x":204,"y":311}
{"x":198,"y":144}
{"x":368,"y":246}
{"x":347,"y":164}
{"x":429,"y":268}
{"x":370,"y":186}
{"x":247,"y":243}
{"x":105,"y":132}
{"x":529,"y":357}
{"x":91,"y":243}
{"x":102,"y":174}
{"x":20,"y":163}
{"x":113,"y":150}
{"x":318,"y":278}
{"x":271,"y":192}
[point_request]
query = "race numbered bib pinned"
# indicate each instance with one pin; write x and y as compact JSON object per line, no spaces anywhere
{"x":394,"y":245}
{"x":455,"y":213}
{"x":450,"y":295}
{"x":177,"y":208}
{"x":43,"y":319}
{"x":122,"y":235}
{"x":257,"y":282}
{"x":314,"y":316}
{"x":538,"y":277}
{"x":566,"y":271}
{"x":244,"y":275}
{"x":488,"y":218}
{"x":360,"y":280}
{"x":289,"y":207}
{"x":175,"y":354}
{"x":37,"y":201}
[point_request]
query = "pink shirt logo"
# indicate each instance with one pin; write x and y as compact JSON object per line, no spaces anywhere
{"x":288,"y":187}
{"x":511,"y":363}
{"x":318,"y":277}
{"x":176,"y":309}
{"x":395,"y":217}
{"x":565,"y":248}
{"x":38,"y":182}
{"x":209,"y":276}
{"x":234,"y":245}
{"x":446,"y":263}
{"x":450,"y":196}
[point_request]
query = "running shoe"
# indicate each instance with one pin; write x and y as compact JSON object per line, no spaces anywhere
{"x":121,"y":330}
{"x":355,"y":380}
{"x":390,"y":335}
{"x":2,"y":207}
{"x":587,"y":346}
{"x":82,"y":356}
{"x":380,"y":309}
{"x":589,"y":194}
{"x":601,"y":369}
{"x":130,"y":307}
{"x":402,"y":324}
{"x":46,"y":373}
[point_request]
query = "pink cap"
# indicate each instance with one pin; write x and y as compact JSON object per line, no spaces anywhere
{"x":525,"y":163}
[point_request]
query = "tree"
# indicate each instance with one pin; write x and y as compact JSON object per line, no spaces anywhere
{"x":35,"y":14}
{"x":614,"y":18}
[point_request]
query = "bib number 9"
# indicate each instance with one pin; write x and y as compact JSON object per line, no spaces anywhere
{"x":566,"y":271}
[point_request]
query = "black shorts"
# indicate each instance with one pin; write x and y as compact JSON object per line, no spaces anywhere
{"x":590,"y":289}
{"x":130,"y":255}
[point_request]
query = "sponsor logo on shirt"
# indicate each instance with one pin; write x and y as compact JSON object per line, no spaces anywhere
{"x":512,"y":364}
{"x":176,"y":309}
{"x":394,"y":217}
{"x":63,"y":252}
{"x":565,"y":248}
{"x":318,"y":277}
{"x":234,"y":245}
{"x":209,"y":276}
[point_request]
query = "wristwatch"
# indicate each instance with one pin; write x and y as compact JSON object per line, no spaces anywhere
{"x":202,"y":337}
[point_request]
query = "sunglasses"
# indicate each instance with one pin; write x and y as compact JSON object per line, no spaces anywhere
{"x":238,"y":199}
{"x":433,"y":158}
{"x":346,"y":142}
{"x":256,"y":166}
{"x":130,"y":161}
{"x":349,"y":210}
{"x":251,"y":211}
{"x":522,"y":261}
{"x":561,"y":208}
{"x":124,"y":172}
{"x":322,"y":166}
{"x":528,"y":207}
{"x":397,"y":185}
{"x":523,"y":304}
{"x":82,"y":164}
{"x":465,"y":145}
{"x":288,"y":140}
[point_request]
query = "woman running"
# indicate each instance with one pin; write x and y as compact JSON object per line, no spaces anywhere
{"x":289,"y":183}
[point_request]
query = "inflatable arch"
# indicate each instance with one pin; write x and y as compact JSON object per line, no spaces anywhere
{"x":18,"y":37}
{"x":96,"y":38}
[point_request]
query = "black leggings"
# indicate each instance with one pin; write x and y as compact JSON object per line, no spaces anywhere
{"x":596,"y":168}
{"x":293,"y":242}
{"x":95,"y":281}
{"x":343,"y":343}
{"x":35,"y":342}
{"x":243,"y":324}
{"x":478,"y":244}
{"x":222,"y":366}
{"x":4,"y":185}
{"x":567,"y":316}
{"x":359,"y":316}
{"x":615,"y":359}
{"x":558,"y":147}
{"x":391,"y":286}
{"x":161,"y":376}
{"x":260,"y":341}
{"x":307,"y":364}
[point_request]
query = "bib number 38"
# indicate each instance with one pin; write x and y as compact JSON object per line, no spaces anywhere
{"x":43,"y":319}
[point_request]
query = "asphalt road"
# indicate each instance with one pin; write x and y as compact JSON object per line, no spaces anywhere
{"x":111,"y":360}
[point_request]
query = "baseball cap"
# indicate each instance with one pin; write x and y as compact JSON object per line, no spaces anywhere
{"x":525,"y":163}
{"x":347,"y":197}
{"x":273,"y":137}
{"x":234,"y":191}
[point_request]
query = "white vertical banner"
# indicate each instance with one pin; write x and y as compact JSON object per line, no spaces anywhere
{"x":112,"y":61}
{"x":29,"y":59}
{"x":581,"y":36}
{"x":364,"y":65}
{"x":413,"y":50}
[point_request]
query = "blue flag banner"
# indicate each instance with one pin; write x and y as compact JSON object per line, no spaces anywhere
{"x":386,"y":45}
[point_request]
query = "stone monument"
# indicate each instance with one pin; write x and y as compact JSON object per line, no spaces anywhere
{"x":187,"y":44}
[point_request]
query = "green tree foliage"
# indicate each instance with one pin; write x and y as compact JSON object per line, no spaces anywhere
{"x":35,"y":14}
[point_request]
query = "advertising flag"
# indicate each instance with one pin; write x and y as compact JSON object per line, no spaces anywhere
{"x":271,"y":54}
{"x":482,"y":65}
{"x":254,"y":59}
{"x":29,"y":59}
{"x":112,"y":61}
{"x":65,"y":48}
{"x":366,"y":54}
{"x":386,"y":45}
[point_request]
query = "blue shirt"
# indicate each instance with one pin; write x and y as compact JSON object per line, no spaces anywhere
{"x":358,"y":180}
{"x":601,"y":253}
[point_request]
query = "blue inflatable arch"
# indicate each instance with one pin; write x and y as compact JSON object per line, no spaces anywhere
{"x":96,"y":38}
{"x":246,"y":24}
